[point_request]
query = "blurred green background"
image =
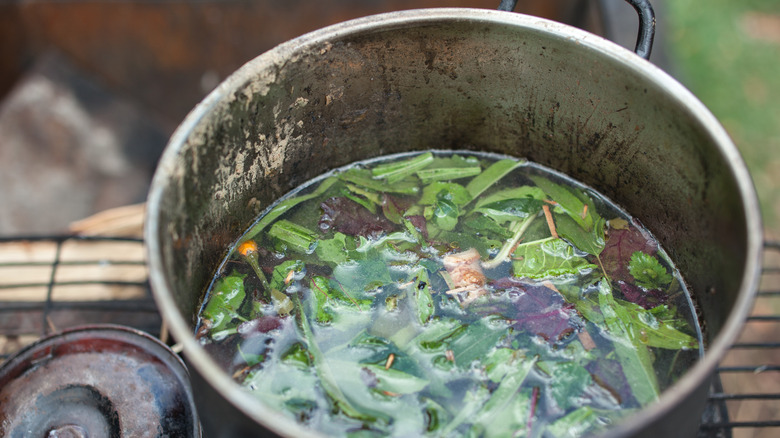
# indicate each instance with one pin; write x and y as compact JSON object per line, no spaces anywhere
{"x":727,"y":52}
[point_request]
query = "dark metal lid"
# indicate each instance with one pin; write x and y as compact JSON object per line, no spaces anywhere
{"x":96,"y":381}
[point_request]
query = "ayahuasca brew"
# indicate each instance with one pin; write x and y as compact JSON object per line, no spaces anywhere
{"x":450,"y":293}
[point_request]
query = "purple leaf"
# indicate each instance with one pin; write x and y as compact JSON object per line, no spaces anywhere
{"x":419,"y":223}
{"x":543,"y":311}
{"x":263,"y":324}
{"x":393,"y":207}
{"x":620,"y":245}
{"x":348,"y":217}
{"x":609,"y":375}
{"x":645,"y":298}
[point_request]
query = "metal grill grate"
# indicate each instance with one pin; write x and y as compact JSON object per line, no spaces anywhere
{"x":52,"y":283}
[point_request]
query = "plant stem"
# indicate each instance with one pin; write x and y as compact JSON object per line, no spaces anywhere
{"x":252,"y":259}
{"x":510,"y":244}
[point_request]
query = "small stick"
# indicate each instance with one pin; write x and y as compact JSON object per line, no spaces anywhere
{"x":164,"y":332}
{"x":50,"y":323}
{"x":239,"y":372}
{"x":532,"y":414}
{"x":584,"y":211}
{"x":587,"y":340}
{"x":390,"y":360}
{"x":550,"y":222}
{"x":289,"y":277}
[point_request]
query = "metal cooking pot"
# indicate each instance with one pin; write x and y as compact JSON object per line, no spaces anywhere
{"x":454,"y":79}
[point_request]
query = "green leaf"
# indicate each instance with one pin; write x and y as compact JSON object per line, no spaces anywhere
{"x":570,"y":200}
{"x":295,"y":236}
{"x":490,"y":176}
{"x":485,"y":226}
{"x":509,"y":419}
{"x":476,"y":340}
{"x":329,"y":299}
{"x":225,"y":298}
{"x":369,"y":195}
{"x":648,"y":272}
{"x":447,"y":173}
{"x":251,"y":359}
{"x":503,"y":405}
{"x":569,"y":380}
{"x":297,"y":356}
{"x":338,"y":249}
{"x":451,"y":191}
{"x":655,"y":332}
{"x":634,"y":357}
{"x":398,"y":170}
{"x":445,"y":213}
{"x":282,"y":303}
{"x":435,"y":414}
{"x":517,"y":229}
{"x":501,"y":361}
{"x":395,"y":381}
{"x":365,"y":202}
{"x":321,"y":293}
{"x":449,"y":168}
{"x":363,"y":178}
{"x":575,"y":424}
{"x":580,"y":289}
{"x":548,"y":258}
{"x":325,"y":373}
{"x":472,"y":402}
{"x":577,"y":219}
{"x":422,"y":296}
{"x":359,"y":276}
{"x":590,"y":241}
{"x":511,"y":209}
{"x":521,"y":192}
{"x":284,"y":207}
{"x":437,"y":332}
{"x":281,"y":271}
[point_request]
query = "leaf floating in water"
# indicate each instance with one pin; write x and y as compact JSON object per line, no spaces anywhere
{"x":648,"y":272}
{"x":645,"y":298}
{"x":348,"y":217}
{"x":545,"y":313}
{"x":620,"y":245}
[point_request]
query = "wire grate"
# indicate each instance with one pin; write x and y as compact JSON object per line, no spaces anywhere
{"x":52,"y":283}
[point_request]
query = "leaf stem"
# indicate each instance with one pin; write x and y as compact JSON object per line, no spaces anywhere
{"x":252,"y":258}
{"x":510,"y":244}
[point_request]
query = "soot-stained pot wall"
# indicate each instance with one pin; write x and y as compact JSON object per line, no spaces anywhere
{"x":455,"y":79}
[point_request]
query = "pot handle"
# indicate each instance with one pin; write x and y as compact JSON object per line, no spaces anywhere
{"x":645,"y":36}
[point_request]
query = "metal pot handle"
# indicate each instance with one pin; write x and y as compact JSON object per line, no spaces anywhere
{"x":644,"y":39}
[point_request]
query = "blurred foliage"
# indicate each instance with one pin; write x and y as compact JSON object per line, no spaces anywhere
{"x":728,"y":53}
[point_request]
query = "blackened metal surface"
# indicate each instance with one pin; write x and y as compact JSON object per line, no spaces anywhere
{"x":98,"y":381}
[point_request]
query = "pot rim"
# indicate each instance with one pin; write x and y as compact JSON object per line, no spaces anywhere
{"x":275,"y":57}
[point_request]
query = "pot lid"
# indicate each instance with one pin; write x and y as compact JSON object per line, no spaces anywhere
{"x":96,"y":381}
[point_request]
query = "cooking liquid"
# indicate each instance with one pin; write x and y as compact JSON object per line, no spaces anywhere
{"x":391,"y":346}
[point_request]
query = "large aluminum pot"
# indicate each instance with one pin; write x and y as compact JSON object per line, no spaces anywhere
{"x":454,"y":79}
